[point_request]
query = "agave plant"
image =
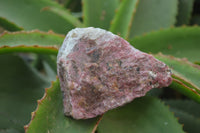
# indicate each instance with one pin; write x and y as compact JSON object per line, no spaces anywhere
{"x":32,"y":32}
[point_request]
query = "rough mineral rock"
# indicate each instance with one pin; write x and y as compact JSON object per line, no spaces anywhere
{"x":99,"y":71}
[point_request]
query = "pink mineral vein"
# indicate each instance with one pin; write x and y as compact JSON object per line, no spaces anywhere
{"x":99,"y":71}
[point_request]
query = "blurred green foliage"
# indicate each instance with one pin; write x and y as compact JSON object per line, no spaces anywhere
{"x":33,"y":30}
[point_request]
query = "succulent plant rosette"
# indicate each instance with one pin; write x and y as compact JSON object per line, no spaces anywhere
{"x":99,"y":66}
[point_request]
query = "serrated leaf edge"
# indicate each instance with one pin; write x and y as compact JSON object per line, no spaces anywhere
{"x":173,"y":114}
{"x":53,"y":48}
{"x":50,"y":32}
{"x":184,"y":60}
{"x":177,"y":109}
{"x":23,"y":48}
{"x":163,"y":30}
{"x":39,"y":102}
{"x":177,"y":77}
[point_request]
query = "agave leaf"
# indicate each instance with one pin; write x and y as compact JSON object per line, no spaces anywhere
{"x":187,"y":112}
{"x":10,"y":130}
{"x":123,"y":18}
{"x":20,"y":87}
{"x":179,"y":42}
{"x":37,"y":14}
{"x":186,"y":76}
{"x":143,"y":115}
{"x":67,"y":16}
{"x":49,"y":116}
{"x":153,"y":15}
{"x":191,"y":124}
{"x":9,"y":25}
{"x":99,"y":13}
{"x":49,"y":70}
{"x":184,"y":11}
{"x":185,"y":90}
{"x":33,"y":41}
{"x":187,"y":106}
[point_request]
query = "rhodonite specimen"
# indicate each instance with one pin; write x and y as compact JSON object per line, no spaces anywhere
{"x":99,"y":71}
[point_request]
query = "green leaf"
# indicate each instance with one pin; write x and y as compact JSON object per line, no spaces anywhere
{"x":153,"y":15}
{"x":187,"y":106}
{"x":20,"y":87}
{"x":49,"y":71}
{"x":121,"y":23}
{"x":191,"y":124}
{"x":180,"y":42}
{"x":186,"y":76}
{"x":188,"y":114}
{"x":185,"y":90}
{"x":50,"y":66}
{"x":49,"y":116}
{"x":33,"y":41}
{"x":143,"y":115}
{"x":11,"y":130}
{"x":37,"y":14}
{"x":65,"y":14}
{"x":45,"y":64}
{"x":51,"y":61}
{"x":99,"y":13}
{"x":184,"y":11}
{"x":9,"y":25}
